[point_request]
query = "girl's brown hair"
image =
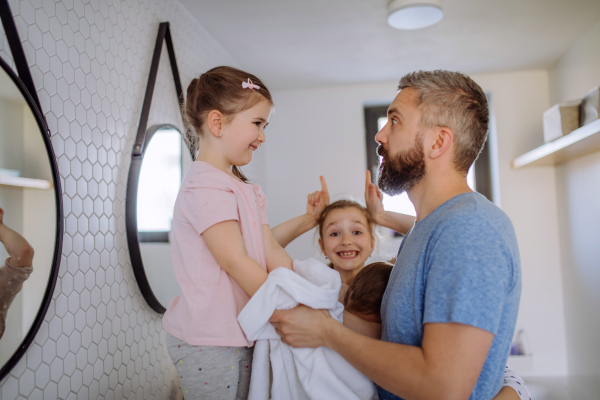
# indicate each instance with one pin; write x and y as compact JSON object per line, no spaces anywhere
{"x":219,"y":89}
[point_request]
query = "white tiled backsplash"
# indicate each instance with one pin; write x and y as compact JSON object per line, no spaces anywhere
{"x":90,"y":63}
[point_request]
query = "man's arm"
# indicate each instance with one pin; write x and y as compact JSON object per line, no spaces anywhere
{"x":447,"y":365}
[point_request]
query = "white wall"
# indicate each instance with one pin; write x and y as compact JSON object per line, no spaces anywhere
{"x":528,"y":197}
{"x":11,"y":121}
{"x":578,"y":70}
{"x":317,"y":132}
{"x":578,"y":190}
{"x":321,"y":131}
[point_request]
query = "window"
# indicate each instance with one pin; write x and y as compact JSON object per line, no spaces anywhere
{"x":160,"y":179}
{"x":478,"y":178}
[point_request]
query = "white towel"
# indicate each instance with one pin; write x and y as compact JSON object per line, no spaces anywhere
{"x":299,"y":374}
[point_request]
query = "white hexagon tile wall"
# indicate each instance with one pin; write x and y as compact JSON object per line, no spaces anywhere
{"x":90,"y":63}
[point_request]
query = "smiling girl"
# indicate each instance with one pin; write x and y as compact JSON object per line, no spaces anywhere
{"x":346,"y":237}
{"x":222,"y":244}
{"x":346,"y":228}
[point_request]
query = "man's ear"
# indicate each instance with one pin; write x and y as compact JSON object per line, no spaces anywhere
{"x":442,"y":138}
{"x":214,"y":121}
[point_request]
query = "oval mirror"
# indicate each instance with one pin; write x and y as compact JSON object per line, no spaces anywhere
{"x":30,"y":199}
{"x":153,"y":185}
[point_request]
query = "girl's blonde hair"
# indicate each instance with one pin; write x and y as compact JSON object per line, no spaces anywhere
{"x":219,"y":89}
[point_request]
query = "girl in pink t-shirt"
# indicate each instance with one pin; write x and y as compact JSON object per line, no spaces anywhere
{"x":223,"y":247}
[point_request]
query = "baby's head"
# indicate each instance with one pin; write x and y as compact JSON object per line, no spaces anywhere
{"x":346,"y":235}
{"x":363,"y":297}
{"x":231,"y":93}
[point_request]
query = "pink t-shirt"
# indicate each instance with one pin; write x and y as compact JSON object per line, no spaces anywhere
{"x":205,"y":314}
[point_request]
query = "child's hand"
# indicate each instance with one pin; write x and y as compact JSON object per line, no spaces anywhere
{"x":373,"y":199}
{"x":318,"y":200}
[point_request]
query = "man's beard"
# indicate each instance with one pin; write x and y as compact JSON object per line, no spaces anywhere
{"x":402,"y":172}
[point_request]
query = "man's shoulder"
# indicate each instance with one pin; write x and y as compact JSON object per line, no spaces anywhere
{"x":472,"y":212}
{"x":472,"y":225}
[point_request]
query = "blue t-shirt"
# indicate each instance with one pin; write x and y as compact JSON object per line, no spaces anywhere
{"x":459,"y":264}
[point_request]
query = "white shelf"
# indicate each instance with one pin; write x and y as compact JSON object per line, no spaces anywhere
{"x":13,"y":181}
{"x":580,"y":142}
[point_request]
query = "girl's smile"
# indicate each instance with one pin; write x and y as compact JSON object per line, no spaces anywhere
{"x":348,"y":254}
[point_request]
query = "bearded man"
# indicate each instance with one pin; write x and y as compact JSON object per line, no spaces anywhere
{"x":450,"y":308}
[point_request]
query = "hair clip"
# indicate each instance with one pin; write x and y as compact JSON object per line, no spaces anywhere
{"x":249,"y":85}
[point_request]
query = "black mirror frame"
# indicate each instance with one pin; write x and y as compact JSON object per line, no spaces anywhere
{"x":25,"y":84}
{"x":131,"y":221}
{"x":137,"y":155}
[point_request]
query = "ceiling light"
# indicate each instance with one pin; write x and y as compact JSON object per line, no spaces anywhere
{"x":414,"y":14}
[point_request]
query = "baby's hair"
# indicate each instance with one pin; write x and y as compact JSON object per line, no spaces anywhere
{"x":219,"y":89}
{"x":365,"y":293}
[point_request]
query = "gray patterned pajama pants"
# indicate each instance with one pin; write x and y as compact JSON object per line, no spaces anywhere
{"x":210,"y":372}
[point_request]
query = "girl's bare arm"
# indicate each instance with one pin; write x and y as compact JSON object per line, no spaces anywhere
{"x":21,"y":253}
{"x":287,"y":231}
{"x":226,"y":244}
{"x":275,"y":254}
{"x":374,"y":200}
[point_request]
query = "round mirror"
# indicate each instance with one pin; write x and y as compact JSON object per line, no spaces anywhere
{"x":154,"y":180}
{"x":31,"y":218}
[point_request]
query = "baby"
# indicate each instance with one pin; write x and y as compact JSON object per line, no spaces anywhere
{"x":363,"y":299}
{"x":363,"y":296}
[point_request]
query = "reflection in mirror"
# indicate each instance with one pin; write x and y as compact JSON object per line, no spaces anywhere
{"x":28,"y":204}
{"x":165,"y":163}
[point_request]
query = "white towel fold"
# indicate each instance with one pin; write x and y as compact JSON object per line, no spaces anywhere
{"x":299,"y":374}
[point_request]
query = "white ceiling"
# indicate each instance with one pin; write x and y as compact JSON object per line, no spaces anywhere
{"x":300,"y":43}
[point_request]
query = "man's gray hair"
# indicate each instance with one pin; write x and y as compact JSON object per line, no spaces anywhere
{"x":452,"y":100}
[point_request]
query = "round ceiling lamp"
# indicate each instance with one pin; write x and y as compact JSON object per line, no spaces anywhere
{"x":414,"y":14}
